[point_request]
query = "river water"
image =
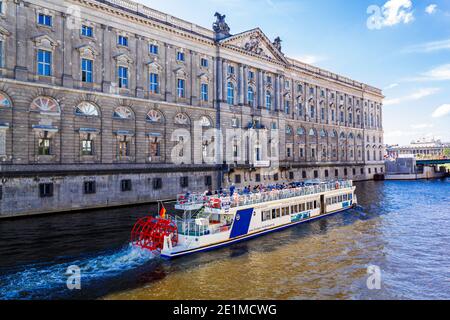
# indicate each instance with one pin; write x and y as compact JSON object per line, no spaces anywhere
{"x":403,"y":231}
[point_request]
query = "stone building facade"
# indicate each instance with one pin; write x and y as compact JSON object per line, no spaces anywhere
{"x":93,"y":95}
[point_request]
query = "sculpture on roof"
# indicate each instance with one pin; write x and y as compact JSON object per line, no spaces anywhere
{"x":220,"y":26}
{"x":277,"y":43}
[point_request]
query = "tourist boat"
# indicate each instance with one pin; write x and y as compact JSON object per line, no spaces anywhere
{"x":212,"y":222}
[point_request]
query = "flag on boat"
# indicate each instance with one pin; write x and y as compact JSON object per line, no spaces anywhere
{"x":162,"y":213}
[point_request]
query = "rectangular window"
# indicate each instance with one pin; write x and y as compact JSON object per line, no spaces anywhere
{"x":237,"y":178}
{"x":154,"y":49}
{"x":326,"y":174}
{"x":89,"y":187}
{"x":205,"y":92}
{"x":184,"y":182}
{"x":155,"y":148}
{"x":316,"y":174}
{"x":291,"y":175}
{"x":44,"y":147}
{"x":336,"y":173}
{"x":303,"y":174}
{"x":157,"y":183}
{"x":44,"y":63}
{"x":180,"y":56}
{"x":208,"y":181}
{"x":258,"y":177}
{"x":46,"y":190}
{"x":154,"y":83}
{"x":181,"y":88}
{"x":87,"y":147}
{"x":122,"y":41}
{"x":276,"y":177}
{"x":251,"y":75}
{"x":124,"y":148}
{"x":269,"y":79}
{"x":126,"y":185}
{"x":86,"y":70}
{"x":123,"y":77}
{"x":230,"y":70}
{"x":204,"y":63}
{"x":1,"y":6}
{"x":87,"y":31}
{"x":45,"y":20}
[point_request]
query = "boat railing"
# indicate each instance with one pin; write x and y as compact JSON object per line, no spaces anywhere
{"x":238,"y":200}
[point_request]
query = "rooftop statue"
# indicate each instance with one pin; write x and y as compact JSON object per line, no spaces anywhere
{"x":277,"y":43}
{"x":220,"y":26}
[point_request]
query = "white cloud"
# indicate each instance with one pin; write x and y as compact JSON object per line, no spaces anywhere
{"x":431,"y":9}
{"x":422,"y":126}
{"x":397,"y":11}
{"x":429,"y":46}
{"x":440,"y":73}
{"x":442,"y":111}
{"x":420,"y":94}
{"x":391,"y":86}
{"x":310,"y":58}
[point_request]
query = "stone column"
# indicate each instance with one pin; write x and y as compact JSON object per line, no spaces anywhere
{"x":67,"y":52}
{"x":140,"y":69}
{"x":107,"y":68}
{"x":224,"y":81}
{"x":260,"y":89}
{"x":241,"y":85}
{"x":219,"y":87}
{"x":21,"y":70}
{"x":245,"y":85}
{"x":169,"y":75}
{"x":194,"y":79}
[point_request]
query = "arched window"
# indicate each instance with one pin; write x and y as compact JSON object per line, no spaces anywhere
{"x":45,"y":104}
{"x":300,"y":131}
{"x":350,"y":136}
{"x":333,"y":134}
{"x":251,"y":97}
{"x":288,"y":130}
{"x":205,"y":122}
{"x":87,"y":109}
{"x":268,"y":100}
{"x":323,"y":133}
{"x":123,"y":113}
{"x":154,"y":116}
{"x":342,"y":136}
{"x":4,"y":101}
{"x":230,"y":94}
{"x":312,"y":133}
{"x":182,"y":119}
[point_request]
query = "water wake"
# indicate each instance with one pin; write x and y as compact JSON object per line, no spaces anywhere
{"x":38,"y":281}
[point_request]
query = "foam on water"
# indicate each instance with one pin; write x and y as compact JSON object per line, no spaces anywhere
{"x":38,"y":281}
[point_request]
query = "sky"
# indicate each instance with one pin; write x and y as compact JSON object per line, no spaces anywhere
{"x":400,"y":46}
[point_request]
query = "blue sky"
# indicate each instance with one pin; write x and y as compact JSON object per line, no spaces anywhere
{"x":404,"y":49}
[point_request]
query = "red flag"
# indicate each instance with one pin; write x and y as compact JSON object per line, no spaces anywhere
{"x":162,"y":213}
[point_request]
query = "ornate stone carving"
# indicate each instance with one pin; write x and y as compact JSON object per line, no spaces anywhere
{"x":253,"y":45}
{"x":220,"y":26}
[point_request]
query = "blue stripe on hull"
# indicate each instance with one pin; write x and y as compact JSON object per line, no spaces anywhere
{"x":252,"y":236}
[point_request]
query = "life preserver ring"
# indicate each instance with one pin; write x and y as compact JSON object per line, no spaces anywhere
{"x":182,"y":200}
{"x":337,"y":185}
{"x":215,"y":203}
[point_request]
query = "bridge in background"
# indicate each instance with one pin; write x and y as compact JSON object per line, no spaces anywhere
{"x":430,"y":162}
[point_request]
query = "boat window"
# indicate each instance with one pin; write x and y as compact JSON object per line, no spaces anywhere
{"x":274,"y":213}
{"x":350,"y":196}
{"x":344,"y":197}
{"x":265,"y":215}
{"x":302,"y":207}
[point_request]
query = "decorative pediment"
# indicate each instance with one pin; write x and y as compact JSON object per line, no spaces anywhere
{"x":123,"y":58}
{"x":154,"y":67}
{"x":45,"y":41}
{"x":181,"y":73}
{"x":204,"y":77}
{"x":255,"y":42}
{"x":86,"y":51}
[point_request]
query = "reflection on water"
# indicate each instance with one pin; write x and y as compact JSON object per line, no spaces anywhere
{"x":403,"y":229}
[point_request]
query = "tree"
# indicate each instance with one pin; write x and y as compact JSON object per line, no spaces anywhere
{"x":447,"y":152}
